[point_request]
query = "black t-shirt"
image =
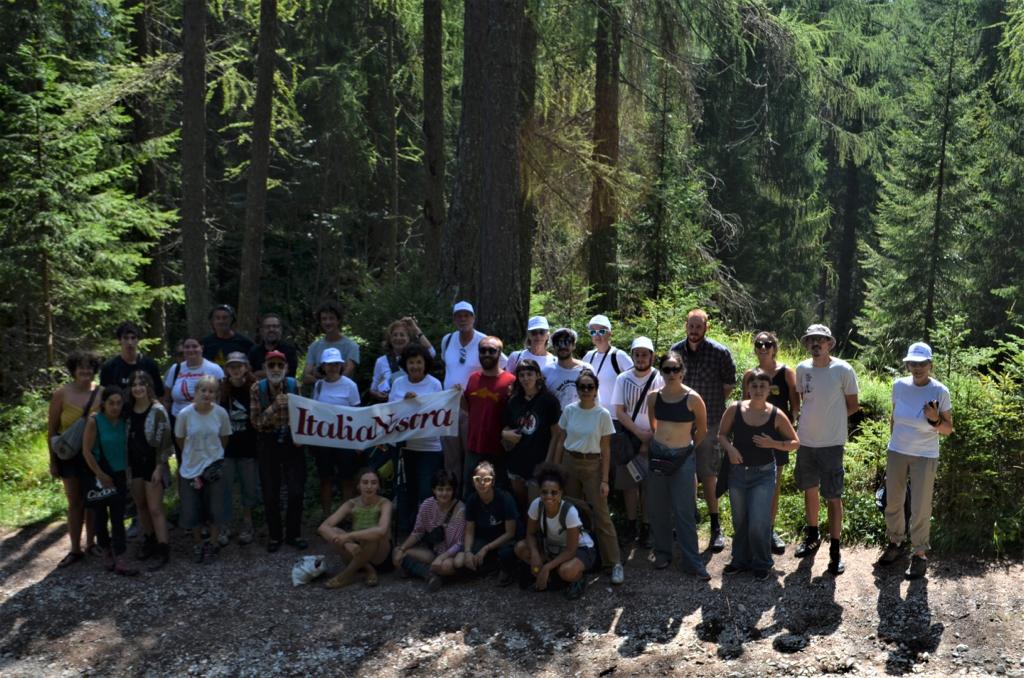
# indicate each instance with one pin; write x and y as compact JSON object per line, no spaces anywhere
{"x":259,"y":351}
{"x":490,"y":518}
{"x":116,"y":372}
{"x":137,"y":445}
{"x":216,"y":349}
{"x":242,"y":442}
{"x":534,"y":419}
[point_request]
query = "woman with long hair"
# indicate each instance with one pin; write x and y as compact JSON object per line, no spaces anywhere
{"x":530,"y":427}
{"x":149,"y":450}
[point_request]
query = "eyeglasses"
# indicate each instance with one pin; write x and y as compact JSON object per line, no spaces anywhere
{"x":537,"y":333}
{"x":550,"y":493}
{"x":764,"y":344}
{"x":462,"y":355}
{"x":671,"y":370}
{"x":816,"y":340}
{"x":564,"y":343}
{"x":487,"y":350}
{"x":483,"y":480}
{"x":599,"y":333}
{"x":585,"y":387}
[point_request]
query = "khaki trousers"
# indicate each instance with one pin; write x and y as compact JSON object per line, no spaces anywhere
{"x":921,"y":471}
{"x":584,"y":482}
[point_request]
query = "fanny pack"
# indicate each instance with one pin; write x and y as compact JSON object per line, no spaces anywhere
{"x":663,"y":464}
{"x":435,"y":537}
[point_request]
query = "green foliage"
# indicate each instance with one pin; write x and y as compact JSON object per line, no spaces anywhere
{"x":27,"y":492}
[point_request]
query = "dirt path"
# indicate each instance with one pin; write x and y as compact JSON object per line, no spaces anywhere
{"x":241,"y":616}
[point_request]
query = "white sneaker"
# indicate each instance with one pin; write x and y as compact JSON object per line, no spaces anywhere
{"x":618,"y":574}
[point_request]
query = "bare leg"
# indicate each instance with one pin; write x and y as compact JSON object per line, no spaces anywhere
{"x":812,"y":504}
{"x":155,"y":506}
{"x":76,"y":512}
{"x":142,"y":505}
{"x":835,"y":517}
{"x":709,"y":484}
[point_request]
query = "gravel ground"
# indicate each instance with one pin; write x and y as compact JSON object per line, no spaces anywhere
{"x":240,"y":615}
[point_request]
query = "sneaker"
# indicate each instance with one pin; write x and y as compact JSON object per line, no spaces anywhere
{"x":197,"y":553}
{"x":273,"y":545}
{"x":210,"y":552}
{"x":732,"y":568}
{"x":891,"y":554}
{"x":618,"y":574}
{"x":778,"y":546}
{"x":918,"y":567}
{"x":223,"y":539}
{"x":661,"y":562}
{"x":717,"y":544}
{"x":245,"y":536}
{"x":505,"y":578}
{"x":702,"y":575}
{"x":434,"y":583}
{"x":809,"y":546}
{"x":836,"y":566}
{"x":761,"y":575}
{"x":576,"y":589}
{"x":298,"y":543}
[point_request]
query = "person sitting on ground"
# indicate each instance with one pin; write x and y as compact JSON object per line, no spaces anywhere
{"x":558,"y":544}
{"x":783,"y":394}
{"x":399,"y":334}
{"x":491,"y":517}
{"x":70,"y":403}
{"x":429,"y":551}
{"x":149,"y":450}
{"x":679,"y":421}
{"x":202,"y":430}
{"x":757,"y":429}
{"x":104,"y":447}
{"x":367,"y":544}
{"x":240,"y":464}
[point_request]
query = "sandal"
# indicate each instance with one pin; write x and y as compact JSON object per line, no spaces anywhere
{"x":371,"y":579}
{"x":71,"y":558}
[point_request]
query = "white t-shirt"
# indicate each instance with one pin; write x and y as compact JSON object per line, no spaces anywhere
{"x":349,"y":350}
{"x":461,"y":361}
{"x":562,"y":382}
{"x":544,"y":360}
{"x":424,"y":386}
{"x":603,"y":365}
{"x":384,"y":376}
{"x":341,"y":392}
{"x":183,"y":389}
{"x":823,"y":392}
{"x":557,"y":539}
{"x":627,"y":390}
{"x":202,"y":434}
{"x":585,"y":428}
{"x":911,"y":432}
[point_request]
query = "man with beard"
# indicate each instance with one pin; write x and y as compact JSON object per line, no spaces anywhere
{"x":633,"y":430}
{"x":711,"y":372}
{"x":828,"y":396}
{"x":561,"y":377}
{"x":224,"y":339}
{"x":270,"y":340}
{"x":485,"y":397}
{"x":279,"y":459}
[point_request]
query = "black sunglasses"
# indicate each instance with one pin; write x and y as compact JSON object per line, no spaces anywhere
{"x":487,"y":350}
{"x":585,"y":387}
{"x":671,"y":370}
{"x":537,"y":333}
{"x":763,"y":344}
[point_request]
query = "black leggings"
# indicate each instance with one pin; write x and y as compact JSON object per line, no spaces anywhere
{"x":114,"y":512}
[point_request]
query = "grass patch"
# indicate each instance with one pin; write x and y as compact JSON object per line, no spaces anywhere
{"x":27,"y":492}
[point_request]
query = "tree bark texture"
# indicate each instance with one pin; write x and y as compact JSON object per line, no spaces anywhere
{"x":527,"y":97}
{"x":846,"y":262}
{"x":482,"y":246}
{"x":604,"y":206}
{"x":193,"y":168}
{"x":391,"y":266}
{"x":259,"y":167}
{"x":433,"y":136}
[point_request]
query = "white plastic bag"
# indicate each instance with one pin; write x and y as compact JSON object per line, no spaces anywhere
{"x":308,"y":568}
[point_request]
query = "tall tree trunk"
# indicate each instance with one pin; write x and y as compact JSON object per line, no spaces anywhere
{"x":433,"y":136}
{"x":193,"y":167}
{"x":259,"y":167}
{"x":481,"y":251}
{"x":604,"y":206}
{"x":527,"y":98}
{"x":846,"y":262}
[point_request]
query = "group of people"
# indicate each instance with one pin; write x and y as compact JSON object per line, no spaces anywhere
{"x":523,"y":489}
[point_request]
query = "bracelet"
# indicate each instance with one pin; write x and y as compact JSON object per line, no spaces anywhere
{"x":936,"y":423}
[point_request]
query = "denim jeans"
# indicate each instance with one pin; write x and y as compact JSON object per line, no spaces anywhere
{"x":246,"y":472}
{"x":672,"y":501}
{"x":750,"y":496}
{"x":418,"y":469}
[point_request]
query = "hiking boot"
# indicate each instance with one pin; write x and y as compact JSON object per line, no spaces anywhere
{"x":891,"y":554}
{"x":809,"y":546}
{"x":147,"y":549}
{"x":210,"y":552}
{"x":122,"y":568}
{"x":761,"y":575}
{"x":197,"y":553}
{"x":717,"y":544}
{"x":576,"y":589}
{"x":661,"y":562}
{"x":778,"y":546}
{"x":918,"y":567}
{"x":732,"y":568}
{"x":163,"y":556}
{"x":618,"y":574}
{"x":297,"y":543}
{"x":836,"y":566}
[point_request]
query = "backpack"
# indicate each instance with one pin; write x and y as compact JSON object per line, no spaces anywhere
{"x":612,"y":354}
{"x":290,"y":386}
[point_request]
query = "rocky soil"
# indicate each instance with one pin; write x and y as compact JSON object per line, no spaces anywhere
{"x":240,"y":615}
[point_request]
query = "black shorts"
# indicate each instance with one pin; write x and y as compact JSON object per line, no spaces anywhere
{"x":75,"y":467}
{"x":142,"y":464}
{"x":338,"y":464}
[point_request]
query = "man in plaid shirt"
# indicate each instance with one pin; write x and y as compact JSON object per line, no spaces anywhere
{"x":711,"y":372}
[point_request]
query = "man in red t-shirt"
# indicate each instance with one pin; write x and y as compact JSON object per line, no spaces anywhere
{"x":485,"y":396}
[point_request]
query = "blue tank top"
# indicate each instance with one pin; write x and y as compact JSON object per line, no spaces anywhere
{"x":111,"y":443}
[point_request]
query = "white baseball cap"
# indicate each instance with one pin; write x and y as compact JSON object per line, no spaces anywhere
{"x":463,"y":306}
{"x":919,"y":352}
{"x":330,"y":355}
{"x":537,"y":322}
{"x":642,"y":342}
{"x":600,"y":321}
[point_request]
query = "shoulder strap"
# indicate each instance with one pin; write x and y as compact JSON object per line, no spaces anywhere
{"x":392,"y":362}
{"x":448,"y":517}
{"x":615,"y":360}
{"x":643,"y":394}
{"x":771,"y":417}
{"x":264,"y":390}
{"x":290,"y":385}
{"x":88,"y":403}
{"x":563,"y":514}
{"x":317,"y":388}
{"x":177,"y":371}
{"x":445,"y":343}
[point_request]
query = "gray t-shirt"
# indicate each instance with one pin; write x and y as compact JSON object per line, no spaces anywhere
{"x":823,"y":392}
{"x":349,"y":350}
{"x":562,"y":382}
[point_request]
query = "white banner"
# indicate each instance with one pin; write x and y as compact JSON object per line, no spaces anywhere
{"x":426,"y":416}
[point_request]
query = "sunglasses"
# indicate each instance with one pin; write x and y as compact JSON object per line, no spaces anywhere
{"x":483,"y":480}
{"x":585,"y":387}
{"x":487,"y":350}
{"x":462,"y":356}
{"x":564,"y":343}
{"x":671,"y":370}
{"x":763,"y":344}
{"x":599,"y":333}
